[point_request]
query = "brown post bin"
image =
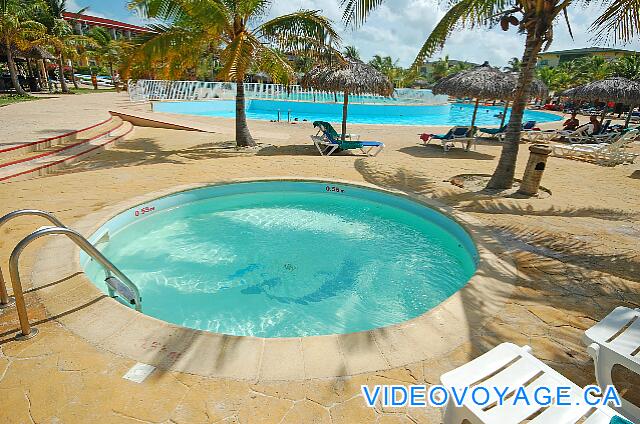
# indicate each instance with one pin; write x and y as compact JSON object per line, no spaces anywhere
{"x":535,"y":168}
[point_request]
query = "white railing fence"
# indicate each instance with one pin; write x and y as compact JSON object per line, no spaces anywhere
{"x":152,"y":90}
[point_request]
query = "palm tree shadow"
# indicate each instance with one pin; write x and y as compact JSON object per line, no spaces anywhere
{"x":436,"y":151}
{"x":147,"y":151}
{"x":565,"y":282}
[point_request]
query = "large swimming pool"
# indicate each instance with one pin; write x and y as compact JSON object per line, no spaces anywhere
{"x":286,"y":258}
{"x":422,"y":115}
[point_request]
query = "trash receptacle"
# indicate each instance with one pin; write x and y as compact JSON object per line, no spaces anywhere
{"x":534,"y":170}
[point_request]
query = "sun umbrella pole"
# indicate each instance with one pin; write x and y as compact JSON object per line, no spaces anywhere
{"x":475,"y":113}
{"x":344,"y":115}
{"x":504,"y":113}
{"x":626,"y":122}
{"x":473,"y":123}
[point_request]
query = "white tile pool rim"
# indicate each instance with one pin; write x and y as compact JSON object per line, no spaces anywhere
{"x":111,"y":326}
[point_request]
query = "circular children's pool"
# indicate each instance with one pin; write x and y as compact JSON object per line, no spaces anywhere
{"x":394,"y":114}
{"x":286,"y":258}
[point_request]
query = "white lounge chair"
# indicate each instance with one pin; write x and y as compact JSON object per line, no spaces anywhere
{"x":327,"y":146}
{"x":616,"y":340}
{"x":602,"y":153}
{"x":514,"y":366}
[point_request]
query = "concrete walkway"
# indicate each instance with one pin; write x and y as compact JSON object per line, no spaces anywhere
{"x":55,"y":115}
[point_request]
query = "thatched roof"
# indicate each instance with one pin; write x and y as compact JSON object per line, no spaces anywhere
{"x":32,"y":53}
{"x":485,"y":82}
{"x":615,"y":89}
{"x":353,"y":77}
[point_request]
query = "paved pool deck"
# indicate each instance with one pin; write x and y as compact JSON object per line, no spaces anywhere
{"x":574,"y":252}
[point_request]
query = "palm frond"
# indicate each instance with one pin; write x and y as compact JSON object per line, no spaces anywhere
{"x":619,"y":22}
{"x":299,"y":31}
{"x":252,"y":8}
{"x":275,"y":65}
{"x":237,"y":57}
{"x":469,"y":13}
{"x":357,"y":11}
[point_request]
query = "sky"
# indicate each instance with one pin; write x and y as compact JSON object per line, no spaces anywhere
{"x":399,"y":28}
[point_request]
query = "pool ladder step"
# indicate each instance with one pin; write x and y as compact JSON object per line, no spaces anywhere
{"x":118,"y":283}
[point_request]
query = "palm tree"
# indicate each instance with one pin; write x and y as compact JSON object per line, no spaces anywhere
{"x":19,"y":30}
{"x":59,"y":30}
{"x":626,"y":67}
{"x":233,"y":27}
{"x":556,"y":79}
{"x":107,"y":50}
{"x":351,"y":52}
{"x":61,"y":36}
{"x":514,"y":65}
{"x":440,"y":68}
{"x":536,"y":21}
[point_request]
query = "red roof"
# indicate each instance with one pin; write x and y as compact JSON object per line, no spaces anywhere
{"x":103,"y":22}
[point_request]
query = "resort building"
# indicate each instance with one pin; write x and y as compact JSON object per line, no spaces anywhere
{"x":83,"y":23}
{"x":558,"y":57}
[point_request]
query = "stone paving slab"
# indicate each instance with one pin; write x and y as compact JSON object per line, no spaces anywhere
{"x":576,"y":253}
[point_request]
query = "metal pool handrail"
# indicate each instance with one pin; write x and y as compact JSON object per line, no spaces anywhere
{"x":5,"y":300}
{"x":26,"y":330}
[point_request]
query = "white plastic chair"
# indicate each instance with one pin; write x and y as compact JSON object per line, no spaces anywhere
{"x":616,"y":340}
{"x":514,"y":366}
{"x":602,"y":153}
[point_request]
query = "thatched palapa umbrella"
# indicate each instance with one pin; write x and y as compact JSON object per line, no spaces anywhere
{"x":349,"y":77}
{"x":485,"y":82}
{"x":615,"y":89}
{"x":480,"y":82}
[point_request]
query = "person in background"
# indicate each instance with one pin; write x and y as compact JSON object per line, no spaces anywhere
{"x":94,"y":80}
{"x":116,"y":81}
{"x":594,"y":126}
{"x":572,"y":123}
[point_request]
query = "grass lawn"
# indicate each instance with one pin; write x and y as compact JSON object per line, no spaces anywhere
{"x":8,"y":99}
{"x":87,"y":90}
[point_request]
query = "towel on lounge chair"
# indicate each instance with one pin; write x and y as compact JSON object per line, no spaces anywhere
{"x":331,"y":142}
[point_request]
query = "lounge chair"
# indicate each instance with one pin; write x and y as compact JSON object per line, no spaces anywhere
{"x":610,"y":154}
{"x":326,"y":126}
{"x":615,"y":341}
{"x":327,"y":144}
{"x":494,"y":132}
{"x":501,"y":133}
{"x":508,"y":365}
{"x":461,"y":134}
{"x":578,"y":136}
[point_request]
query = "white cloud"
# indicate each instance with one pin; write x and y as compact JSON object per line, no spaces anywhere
{"x":399,"y":27}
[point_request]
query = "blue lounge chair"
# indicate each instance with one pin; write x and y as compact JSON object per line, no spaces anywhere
{"x":328,"y":143}
{"x":495,"y":132}
{"x":461,"y":134}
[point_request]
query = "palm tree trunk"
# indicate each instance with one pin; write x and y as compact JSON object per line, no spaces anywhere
{"x":73,"y":77}
{"x":12,"y":70}
{"x":345,"y":110}
{"x":503,"y":175}
{"x":63,"y":83}
{"x":243,"y":136}
{"x":113,"y":75}
{"x":504,"y":113}
{"x":473,"y":124}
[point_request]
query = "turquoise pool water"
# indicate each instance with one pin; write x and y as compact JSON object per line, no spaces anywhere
{"x":436,"y":115}
{"x":287,"y":259}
